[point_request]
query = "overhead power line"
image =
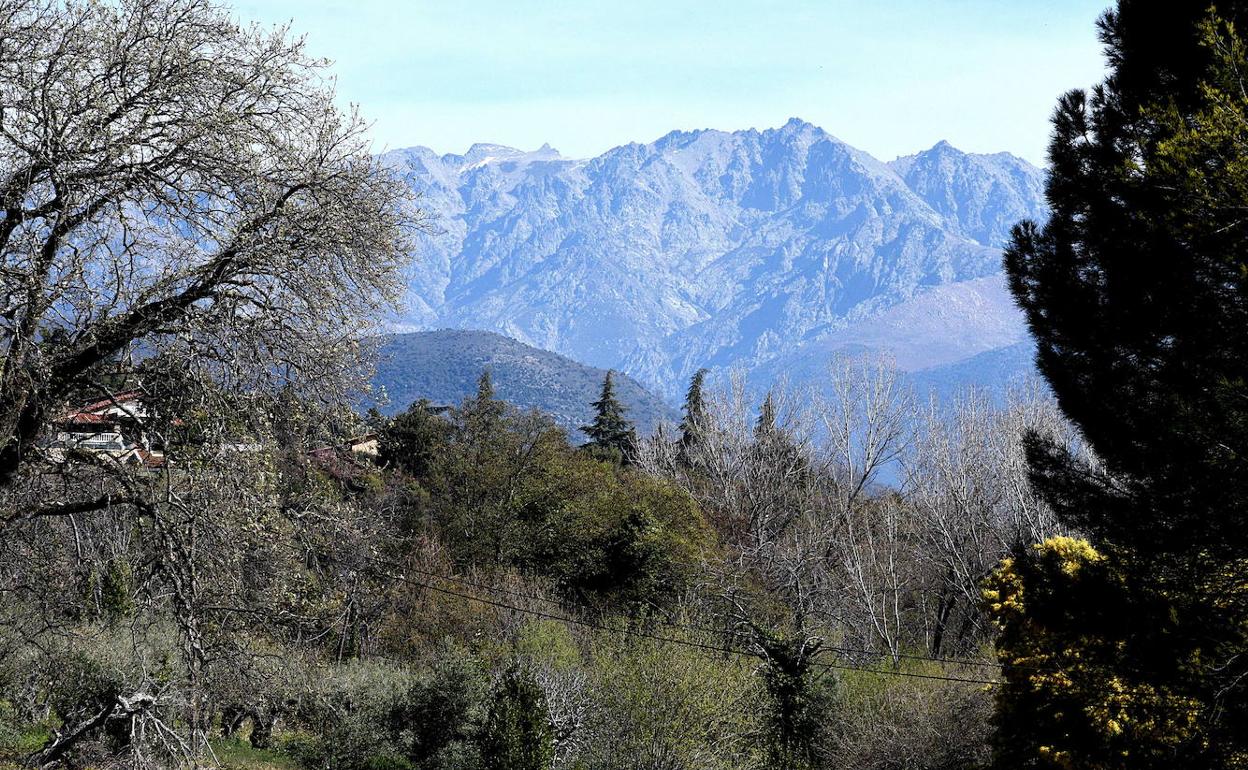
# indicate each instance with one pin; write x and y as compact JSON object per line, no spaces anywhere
{"x":824,"y":666}
{"x":855,"y":651}
{"x":603,"y":628}
{"x":667,"y":639}
{"x":845,"y":650}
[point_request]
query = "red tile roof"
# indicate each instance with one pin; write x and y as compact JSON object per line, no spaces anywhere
{"x":117,"y":400}
{"x":149,"y":459}
{"x":90,"y":413}
{"x":86,"y":418}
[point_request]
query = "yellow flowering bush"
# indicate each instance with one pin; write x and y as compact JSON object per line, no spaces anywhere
{"x":1063,"y":610}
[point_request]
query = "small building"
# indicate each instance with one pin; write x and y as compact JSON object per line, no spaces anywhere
{"x":368,"y":445}
{"x":111,"y":426}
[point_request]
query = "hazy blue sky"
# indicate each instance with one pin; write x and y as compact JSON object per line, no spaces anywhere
{"x":889,"y":76}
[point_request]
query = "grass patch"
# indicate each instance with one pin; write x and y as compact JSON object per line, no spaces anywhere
{"x":240,"y":755}
{"x":18,"y":740}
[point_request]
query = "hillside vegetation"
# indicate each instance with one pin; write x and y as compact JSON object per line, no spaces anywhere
{"x":210,"y":557}
{"x":443,"y":367}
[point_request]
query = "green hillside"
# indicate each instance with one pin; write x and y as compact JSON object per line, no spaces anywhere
{"x":443,"y":367}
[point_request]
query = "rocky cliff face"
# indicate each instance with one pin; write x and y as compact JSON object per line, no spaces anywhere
{"x":982,"y":195}
{"x":703,"y":248}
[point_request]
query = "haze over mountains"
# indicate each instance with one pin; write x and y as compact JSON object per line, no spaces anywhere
{"x":768,"y":250}
{"x":444,"y":366}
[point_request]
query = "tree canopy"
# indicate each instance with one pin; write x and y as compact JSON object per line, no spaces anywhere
{"x":174,"y":184}
{"x":610,"y":434}
{"x":1128,"y":649}
{"x":1135,"y":289}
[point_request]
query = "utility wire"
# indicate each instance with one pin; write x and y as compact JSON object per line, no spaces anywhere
{"x":912,"y":674}
{"x":711,"y":647}
{"x":665,"y":639}
{"x":566,"y":619}
{"x":701,"y":645}
{"x":568,"y":603}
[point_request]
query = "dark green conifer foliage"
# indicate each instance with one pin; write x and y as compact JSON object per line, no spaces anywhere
{"x":777,"y":449}
{"x":483,"y":413}
{"x":412,"y":440}
{"x":517,"y":734}
{"x":611,"y":436}
{"x":766,"y":427}
{"x":485,"y":386}
{"x":1136,"y":291}
{"x":693,"y":423}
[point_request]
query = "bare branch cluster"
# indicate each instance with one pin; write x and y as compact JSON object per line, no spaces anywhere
{"x":173,"y":183}
{"x":873,"y":521}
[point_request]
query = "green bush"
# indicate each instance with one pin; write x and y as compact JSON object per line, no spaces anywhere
{"x":517,"y":734}
{"x":662,"y":705}
{"x":375,"y":717}
{"x":881,"y":721}
{"x":237,"y":755}
{"x":18,"y":738}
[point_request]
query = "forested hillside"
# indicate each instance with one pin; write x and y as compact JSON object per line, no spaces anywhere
{"x":443,"y":367}
{"x":482,"y":594}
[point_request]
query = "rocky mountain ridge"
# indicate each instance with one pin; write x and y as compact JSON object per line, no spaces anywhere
{"x":713,"y":248}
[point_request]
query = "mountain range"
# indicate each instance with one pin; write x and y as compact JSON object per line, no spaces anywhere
{"x":765,"y":250}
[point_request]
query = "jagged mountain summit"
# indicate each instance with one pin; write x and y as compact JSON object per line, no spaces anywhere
{"x":983,"y":195}
{"x":704,"y":248}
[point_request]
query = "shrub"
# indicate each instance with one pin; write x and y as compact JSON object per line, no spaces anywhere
{"x":373,"y":716}
{"x":883,"y":721}
{"x":663,"y":705}
{"x":517,"y":734}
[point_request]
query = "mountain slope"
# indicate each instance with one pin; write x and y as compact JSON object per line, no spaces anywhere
{"x":934,"y":331}
{"x":443,"y":366}
{"x":703,"y":248}
{"x":982,"y":195}
{"x":994,"y":371}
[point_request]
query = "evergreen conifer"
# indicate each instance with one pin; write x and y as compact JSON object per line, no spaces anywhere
{"x":1136,"y":291}
{"x":483,"y":413}
{"x":610,"y":434}
{"x":766,"y":425}
{"x":517,"y":734}
{"x":693,"y":424}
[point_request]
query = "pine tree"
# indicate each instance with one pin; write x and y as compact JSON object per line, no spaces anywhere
{"x":765,"y":428}
{"x":485,"y":387}
{"x":413,"y":440}
{"x":775,"y":443}
{"x":1136,"y":291}
{"x":610,"y":435}
{"x":482,"y":413}
{"x":693,"y":424}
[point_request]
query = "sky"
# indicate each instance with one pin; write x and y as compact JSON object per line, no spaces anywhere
{"x":888,"y":76}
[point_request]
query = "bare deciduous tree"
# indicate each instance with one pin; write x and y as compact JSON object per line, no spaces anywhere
{"x":866,"y":422}
{"x":966,"y":482}
{"x":170,"y":181}
{"x":182,"y":207}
